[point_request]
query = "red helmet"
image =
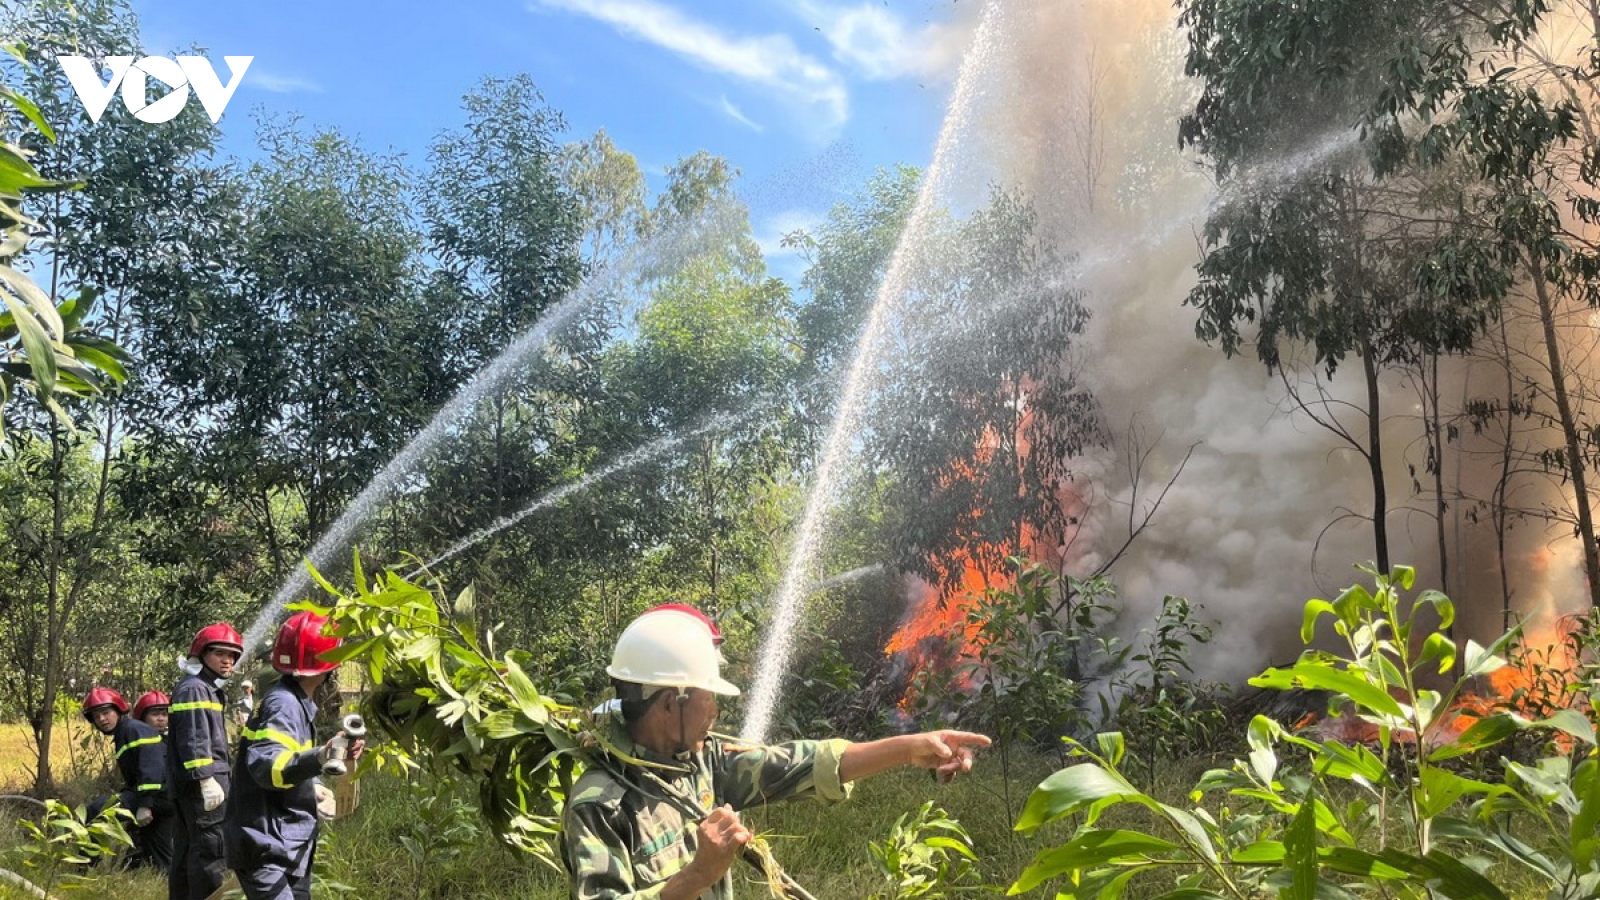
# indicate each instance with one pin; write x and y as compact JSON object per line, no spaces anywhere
{"x":151,"y":700}
{"x":301,"y":642}
{"x":220,"y":634}
{"x":103,"y":696}
{"x":686,"y":609}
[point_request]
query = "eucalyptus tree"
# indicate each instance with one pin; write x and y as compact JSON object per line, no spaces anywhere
{"x":982,"y":417}
{"x":610,"y":192}
{"x":1326,"y":238}
{"x":505,"y":231}
{"x":1495,"y":90}
{"x":135,"y":233}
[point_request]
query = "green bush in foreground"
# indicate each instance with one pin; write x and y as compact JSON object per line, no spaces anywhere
{"x":1272,"y":827}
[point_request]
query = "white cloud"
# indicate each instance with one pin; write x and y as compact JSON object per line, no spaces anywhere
{"x":735,"y":113}
{"x":783,"y":262}
{"x":770,"y":232}
{"x":879,"y":45}
{"x":281,"y":84}
{"x":769,"y":61}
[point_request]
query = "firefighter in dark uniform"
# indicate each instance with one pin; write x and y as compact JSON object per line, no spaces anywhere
{"x":199,"y":762}
{"x":273,"y":817}
{"x":142,"y":759}
{"x":151,"y":709}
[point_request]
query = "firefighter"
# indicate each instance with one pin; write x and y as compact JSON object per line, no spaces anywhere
{"x":142,"y":759}
{"x":661,"y":817}
{"x":199,"y":761}
{"x":273,"y":814}
{"x":152,"y":709}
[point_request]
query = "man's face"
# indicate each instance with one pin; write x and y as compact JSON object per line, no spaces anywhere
{"x":699,"y":712}
{"x":157,"y":719}
{"x":219,"y":659}
{"x":104,"y":718}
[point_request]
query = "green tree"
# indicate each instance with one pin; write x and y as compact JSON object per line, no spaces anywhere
{"x":982,"y":416}
{"x":1475,"y":134}
{"x":610,"y":191}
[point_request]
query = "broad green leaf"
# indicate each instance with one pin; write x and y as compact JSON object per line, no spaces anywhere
{"x":1404,"y":576}
{"x":1315,"y":609}
{"x":1321,"y":677}
{"x":1440,"y":648}
{"x":1481,"y":735}
{"x":1481,"y":660}
{"x":1572,"y":722}
{"x":524,"y":693}
{"x":35,"y":343}
{"x":1069,"y":791}
{"x":1260,"y":853}
{"x":1263,"y":759}
{"x":1445,"y":607}
{"x":29,"y":109}
{"x":36,"y":299}
{"x":1088,"y":850}
{"x":1112,"y":746}
{"x":1440,"y":789}
{"x":1350,"y":760}
{"x":1300,"y":852}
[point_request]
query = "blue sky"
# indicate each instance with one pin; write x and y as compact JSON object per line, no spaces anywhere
{"x":806,"y":97}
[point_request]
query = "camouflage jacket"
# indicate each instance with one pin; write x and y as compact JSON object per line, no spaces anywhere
{"x":623,"y":837}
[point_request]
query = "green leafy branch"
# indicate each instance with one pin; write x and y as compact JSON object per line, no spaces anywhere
{"x":1280,"y":836}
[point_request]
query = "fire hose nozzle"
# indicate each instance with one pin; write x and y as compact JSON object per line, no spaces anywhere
{"x":351,"y":728}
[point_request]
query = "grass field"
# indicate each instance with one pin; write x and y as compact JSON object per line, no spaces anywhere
{"x":416,"y":841}
{"x":410,"y":841}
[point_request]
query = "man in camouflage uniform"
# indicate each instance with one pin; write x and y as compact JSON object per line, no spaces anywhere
{"x":659,"y":817}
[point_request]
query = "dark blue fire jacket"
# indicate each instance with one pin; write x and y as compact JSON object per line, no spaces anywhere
{"x":272,"y":813}
{"x":142,"y":760}
{"x":199,"y":741}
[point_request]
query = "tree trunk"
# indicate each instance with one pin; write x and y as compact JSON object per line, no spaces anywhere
{"x":1499,"y":511}
{"x":1380,"y":495}
{"x":1569,"y":431}
{"x":1436,"y":447}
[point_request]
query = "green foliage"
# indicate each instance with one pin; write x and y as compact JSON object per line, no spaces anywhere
{"x":1274,"y":827}
{"x":62,"y":847}
{"x":927,"y":854}
{"x":45,"y":346}
{"x":1027,"y":666}
{"x":443,"y":827}
{"x":1159,"y":705}
{"x":449,"y":705}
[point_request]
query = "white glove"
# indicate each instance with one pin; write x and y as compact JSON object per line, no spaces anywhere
{"x":143,"y":816}
{"x":327,"y":803}
{"x":211,"y":795}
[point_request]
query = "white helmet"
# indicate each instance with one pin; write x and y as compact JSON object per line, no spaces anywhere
{"x":669,"y":649}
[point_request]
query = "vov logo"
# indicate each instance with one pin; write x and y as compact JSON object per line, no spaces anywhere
{"x":180,"y":74}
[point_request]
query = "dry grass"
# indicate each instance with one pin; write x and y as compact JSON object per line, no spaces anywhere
{"x":77,"y":753}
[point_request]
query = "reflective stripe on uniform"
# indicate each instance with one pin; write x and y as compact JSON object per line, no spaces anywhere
{"x":282,"y":760}
{"x":198,"y":704}
{"x":148,"y":787}
{"x":280,"y":763}
{"x":277,"y":737}
{"x":131,"y":744}
{"x":197,"y":763}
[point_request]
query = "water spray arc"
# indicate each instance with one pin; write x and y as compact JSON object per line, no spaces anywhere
{"x":640,"y":260}
{"x":650,"y":451}
{"x":779,"y":643}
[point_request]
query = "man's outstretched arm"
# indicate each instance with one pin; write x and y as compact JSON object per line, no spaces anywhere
{"x":948,"y":753}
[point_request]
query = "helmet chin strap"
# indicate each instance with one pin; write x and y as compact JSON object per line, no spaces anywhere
{"x":683,"y":726}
